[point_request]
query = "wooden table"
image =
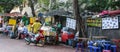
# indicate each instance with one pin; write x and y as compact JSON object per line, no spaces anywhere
{"x":83,"y":38}
{"x":100,"y":37}
{"x":84,"y":41}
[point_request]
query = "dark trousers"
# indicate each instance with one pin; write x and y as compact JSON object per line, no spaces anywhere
{"x":1,"y":25}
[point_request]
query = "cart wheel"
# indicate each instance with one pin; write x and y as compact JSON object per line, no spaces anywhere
{"x":56,"y":42}
{"x":41,"y":43}
{"x":27,"y":42}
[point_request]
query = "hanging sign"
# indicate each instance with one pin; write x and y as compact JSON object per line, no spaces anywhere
{"x":71,"y":23}
{"x":110,"y":23}
{"x":94,"y":22}
{"x":48,"y":19}
{"x":12,"y":21}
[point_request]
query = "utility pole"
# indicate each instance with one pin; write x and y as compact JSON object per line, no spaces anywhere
{"x":79,"y":22}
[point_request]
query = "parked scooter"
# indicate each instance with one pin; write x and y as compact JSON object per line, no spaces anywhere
{"x":35,"y":39}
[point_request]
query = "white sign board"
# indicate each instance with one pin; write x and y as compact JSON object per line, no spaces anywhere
{"x":110,"y":23}
{"x":71,"y":23}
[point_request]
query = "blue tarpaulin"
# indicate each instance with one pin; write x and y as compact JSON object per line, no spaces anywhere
{"x":40,"y":15}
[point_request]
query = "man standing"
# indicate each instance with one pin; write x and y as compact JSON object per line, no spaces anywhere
{"x":59,"y":27}
{"x":36,"y":26}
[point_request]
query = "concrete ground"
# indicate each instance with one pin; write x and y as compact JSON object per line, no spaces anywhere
{"x":13,"y":45}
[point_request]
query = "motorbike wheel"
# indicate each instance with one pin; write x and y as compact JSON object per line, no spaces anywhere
{"x":41,"y":43}
{"x":27,"y":41}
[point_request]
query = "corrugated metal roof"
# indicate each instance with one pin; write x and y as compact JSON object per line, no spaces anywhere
{"x":60,"y":12}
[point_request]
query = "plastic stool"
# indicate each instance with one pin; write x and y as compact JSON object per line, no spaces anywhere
{"x":79,"y":45}
{"x":113,"y":47}
{"x":107,"y":46}
{"x":95,"y":49}
{"x":99,"y":49}
{"x":90,"y":47}
{"x":90,"y":43}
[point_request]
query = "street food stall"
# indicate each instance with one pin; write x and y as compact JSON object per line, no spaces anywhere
{"x":49,"y":31}
{"x":12,"y":23}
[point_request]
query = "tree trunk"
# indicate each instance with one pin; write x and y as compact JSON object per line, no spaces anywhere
{"x":32,"y":7}
{"x":80,"y":24}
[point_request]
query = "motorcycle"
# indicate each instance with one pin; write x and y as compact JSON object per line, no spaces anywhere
{"x":37,"y":39}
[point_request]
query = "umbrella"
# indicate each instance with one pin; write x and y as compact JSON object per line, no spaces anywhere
{"x":40,"y":15}
{"x":115,"y":12}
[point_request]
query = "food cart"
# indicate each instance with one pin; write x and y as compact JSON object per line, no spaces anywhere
{"x":50,"y":36}
{"x":12,"y":21}
{"x":11,"y":28}
{"x":49,"y":31}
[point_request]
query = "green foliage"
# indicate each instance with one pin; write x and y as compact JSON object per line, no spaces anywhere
{"x":45,"y":2}
{"x":9,"y":4}
{"x":44,"y":9}
{"x":1,"y":9}
{"x":44,"y":5}
{"x":54,"y":5}
{"x":68,"y":4}
{"x":99,"y":5}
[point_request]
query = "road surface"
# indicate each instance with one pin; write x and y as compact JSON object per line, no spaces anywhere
{"x":13,"y":45}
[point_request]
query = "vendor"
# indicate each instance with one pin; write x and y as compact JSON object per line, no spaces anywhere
{"x":36,"y":26}
{"x":21,"y":30}
{"x":59,"y":27}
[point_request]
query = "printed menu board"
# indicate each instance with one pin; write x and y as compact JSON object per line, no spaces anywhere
{"x":110,"y":23}
{"x":12,"y":21}
{"x":94,"y":22}
{"x":71,"y":23}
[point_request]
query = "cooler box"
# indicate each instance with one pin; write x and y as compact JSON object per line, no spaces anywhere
{"x":66,"y":36}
